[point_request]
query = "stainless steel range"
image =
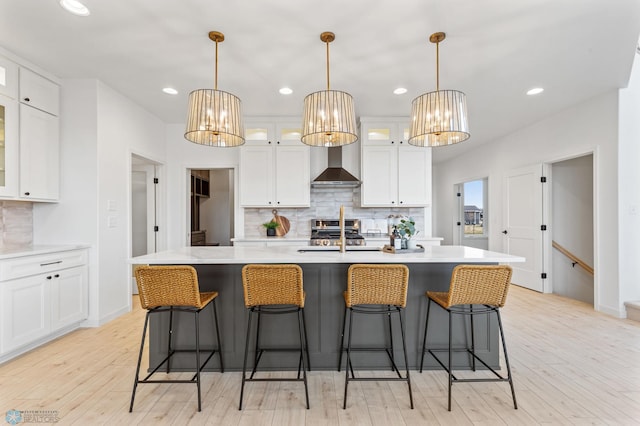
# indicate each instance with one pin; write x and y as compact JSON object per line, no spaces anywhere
{"x":326,"y":232}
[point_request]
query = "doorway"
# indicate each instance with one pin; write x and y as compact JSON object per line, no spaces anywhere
{"x":472,"y":219}
{"x":144,"y":208}
{"x":211,"y":210}
{"x":572,"y":235}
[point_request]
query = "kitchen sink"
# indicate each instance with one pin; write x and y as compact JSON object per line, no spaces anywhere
{"x":336,"y":248}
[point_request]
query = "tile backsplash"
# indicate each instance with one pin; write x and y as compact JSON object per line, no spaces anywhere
{"x":16,"y":224}
{"x":325,"y":204}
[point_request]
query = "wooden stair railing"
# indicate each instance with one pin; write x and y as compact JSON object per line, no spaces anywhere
{"x":576,"y":260}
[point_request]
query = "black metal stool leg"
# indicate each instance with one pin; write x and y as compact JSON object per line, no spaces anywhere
{"x":302,"y":354}
{"x":306,"y":341}
{"x":473,"y":340}
{"x":215,"y":316}
{"x":246,"y":356}
{"x":197,"y":321}
{"x":348,"y":366}
{"x":257,"y":353}
{"x":135,"y":383}
{"x":169,"y":339}
{"x":391,"y":355}
{"x":424,"y":341}
{"x":406,"y":360}
{"x":506,"y":360}
{"x":344,"y":324}
{"x":450,"y":365}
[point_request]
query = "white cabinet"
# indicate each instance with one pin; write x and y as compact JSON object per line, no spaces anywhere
{"x":41,"y":297}
{"x":274,"y":167}
{"x":39,"y":92}
{"x":394,"y":173}
{"x":39,"y":155}
{"x":8,"y":78}
{"x":8,"y":147}
{"x":26,"y":311}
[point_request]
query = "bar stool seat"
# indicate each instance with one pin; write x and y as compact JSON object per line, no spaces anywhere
{"x":274,"y":289}
{"x":169,"y":289}
{"x":473,"y":290}
{"x":375,"y":289}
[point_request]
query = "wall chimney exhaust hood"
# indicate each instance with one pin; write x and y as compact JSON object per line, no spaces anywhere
{"x":334,"y":174}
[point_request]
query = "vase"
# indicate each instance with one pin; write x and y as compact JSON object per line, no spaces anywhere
{"x":271,"y":232}
{"x":412,"y":244}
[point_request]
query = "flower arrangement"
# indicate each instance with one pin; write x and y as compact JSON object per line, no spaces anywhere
{"x":407,"y":228}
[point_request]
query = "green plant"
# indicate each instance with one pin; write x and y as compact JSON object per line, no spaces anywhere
{"x":271,"y":225}
{"x":407,"y":228}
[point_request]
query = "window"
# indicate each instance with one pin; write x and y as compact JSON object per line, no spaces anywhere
{"x":473,"y":202}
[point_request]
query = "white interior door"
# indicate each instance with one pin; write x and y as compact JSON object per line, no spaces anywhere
{"x":523,"y":220}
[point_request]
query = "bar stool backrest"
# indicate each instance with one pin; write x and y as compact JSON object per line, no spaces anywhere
{"x":376,"y":284}
{"x":479,"y":284}
{"x":278,"y":284}
{"x":168,"y":286}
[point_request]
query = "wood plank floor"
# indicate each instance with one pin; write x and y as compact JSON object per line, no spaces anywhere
{"x":571,"y":366}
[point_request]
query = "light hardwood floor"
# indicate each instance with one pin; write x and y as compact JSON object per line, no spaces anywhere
{"x":571,"y":365}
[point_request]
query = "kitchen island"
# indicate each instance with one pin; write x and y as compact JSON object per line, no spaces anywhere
{"x":325,"y":278}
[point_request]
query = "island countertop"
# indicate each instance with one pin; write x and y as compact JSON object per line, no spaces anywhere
{"x":310,"y":255}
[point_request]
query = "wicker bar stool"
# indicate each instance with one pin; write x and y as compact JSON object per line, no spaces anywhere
{"x":274,"y":289}
{"x":470,"y":285}
{"x":382,"y":290}
{"x":169,"y":289}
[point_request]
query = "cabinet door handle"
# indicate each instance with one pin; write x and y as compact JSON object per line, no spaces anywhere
{"x":27,"y":100}
{"x":49,"y":277}
{"x":27,"y":193}
{"x":401,"y":202}
{"x":51,"y":263}
{"x":392,"y":142}
{"x":278,"y":142}
{"x":393,"y":202}
{"x":56,"y":276}
{"x":269,"y":142}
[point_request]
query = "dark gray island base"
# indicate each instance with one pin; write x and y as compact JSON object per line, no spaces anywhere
{"x":324,"y":285}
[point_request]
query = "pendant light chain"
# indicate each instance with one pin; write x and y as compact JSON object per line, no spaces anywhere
{"x":437,"y":66}
{"x":215,"y":81}
{"x":327,"y":42}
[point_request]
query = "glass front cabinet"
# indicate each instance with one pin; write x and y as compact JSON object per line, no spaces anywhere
{"x":8,"y":129}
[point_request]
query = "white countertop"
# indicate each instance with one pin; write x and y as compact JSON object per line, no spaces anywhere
{"x":13,"y":252}
{"x":244,"y":255}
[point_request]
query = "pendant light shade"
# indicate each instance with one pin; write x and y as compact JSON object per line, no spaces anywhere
{"x":214,"y":117}
{"x":329,"y":117}
{"x":439,"y":118}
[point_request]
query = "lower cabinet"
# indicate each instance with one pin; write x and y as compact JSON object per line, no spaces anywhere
{"x":41,"y":296}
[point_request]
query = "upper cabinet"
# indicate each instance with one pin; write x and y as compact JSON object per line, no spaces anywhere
{"x":8,"y":78}
{"x":274,"y":166}
{"x":39,"y":137}
{"x":394,"y":173}
{"x":8,"y":128}
{"x":38,"y":92}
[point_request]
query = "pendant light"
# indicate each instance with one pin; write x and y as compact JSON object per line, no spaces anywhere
{"x":214,"y":117}
{"x":329,"y":117}
{"x":439,"y":118}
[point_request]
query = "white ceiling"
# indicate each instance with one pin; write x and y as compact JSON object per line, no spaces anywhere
{"x":494,"y":52}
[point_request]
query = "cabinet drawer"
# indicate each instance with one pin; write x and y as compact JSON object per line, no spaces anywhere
{"x":38,"y":264}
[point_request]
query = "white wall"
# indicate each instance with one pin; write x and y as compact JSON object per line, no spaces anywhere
{"x":186,"y":155}
{"x":591,"y":126}
{"x":100,"y":130}
{"x":629,"y":177}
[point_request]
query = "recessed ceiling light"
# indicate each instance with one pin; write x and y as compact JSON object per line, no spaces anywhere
{"x":170,"y":91}
{"x":285,"y":91}
{"x":535,"y":91}
{"x":75,"y":7}
{"x":400,"y":91}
